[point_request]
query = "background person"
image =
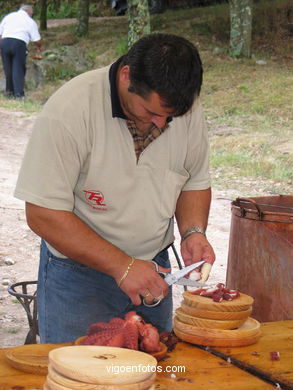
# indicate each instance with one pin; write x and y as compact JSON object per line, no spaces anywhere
{"x":115,"y":153}
{"x":17,"y":29}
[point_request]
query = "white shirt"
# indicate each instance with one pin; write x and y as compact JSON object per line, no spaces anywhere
{"x":21,"y":26}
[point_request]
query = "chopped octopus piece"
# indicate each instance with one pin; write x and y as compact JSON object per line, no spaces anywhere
{"x":275,"y":355}
{"x":150,"y":338}
{"x":169,"y":339}
{"x":218,"y":293}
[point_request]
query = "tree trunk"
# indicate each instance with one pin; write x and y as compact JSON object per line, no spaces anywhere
{"x":83,"y":17}
{"x":138,"y":20}
{"x":240,"y":33}
{"x":43,"y":15}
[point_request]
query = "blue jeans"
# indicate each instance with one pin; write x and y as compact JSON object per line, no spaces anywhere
{"x":71,"y":297}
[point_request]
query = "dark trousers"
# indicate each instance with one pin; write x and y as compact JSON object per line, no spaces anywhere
{"x":13,"y":52}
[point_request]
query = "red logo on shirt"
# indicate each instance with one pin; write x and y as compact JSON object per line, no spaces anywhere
{"x":95,"y":199}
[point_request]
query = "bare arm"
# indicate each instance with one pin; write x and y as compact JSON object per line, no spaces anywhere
{"x":39,"y":46}
{"x":193,"y":210}
{"x":72,"y":237}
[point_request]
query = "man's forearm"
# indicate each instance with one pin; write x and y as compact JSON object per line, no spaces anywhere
{"x":73,"y":238}
{"x":193,"y":209}
{"x":38,"y":44}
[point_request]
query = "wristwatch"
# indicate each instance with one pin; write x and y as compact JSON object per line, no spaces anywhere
{"x":194,"y":229}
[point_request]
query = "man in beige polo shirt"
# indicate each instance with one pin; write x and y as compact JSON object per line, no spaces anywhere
{"x":115,"y":154}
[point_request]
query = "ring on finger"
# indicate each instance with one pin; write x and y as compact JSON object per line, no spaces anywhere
{"x":148,"y":294}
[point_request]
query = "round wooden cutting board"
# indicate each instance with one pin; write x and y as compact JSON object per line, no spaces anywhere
{"x":215,"y":315}
{"x":243,"y":302}
{"x":32,"y":358}
{"x":208,"y":323}
{"x":50,"y":385}
{"x":246,"y":334}
{"x":54,"y":379}
{"x":217,"y":342}
{"x":103,"y":365}
{"x":159,"y":355}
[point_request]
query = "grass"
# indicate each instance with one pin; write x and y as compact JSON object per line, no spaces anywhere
{"x":13,"y":331}
{"x":248,"y":105}
{"x":28,"y":106}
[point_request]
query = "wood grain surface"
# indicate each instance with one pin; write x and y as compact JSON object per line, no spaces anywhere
{"x":243,"y":302}
{"x":207,"y":322}
{"x":31,"y":358}
{"x":158,"y":355}
{"x":276,"y":336}
{"x":247,"y":334}
{"x":215,"y":315}
{"x":99,"y":364}
{"x":78,"y":385}
{"x":52,"y":384}
{"x":203,"y":371}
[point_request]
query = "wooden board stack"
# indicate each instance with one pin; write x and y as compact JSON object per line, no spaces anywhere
{"x":202,"y":321}
{"x":100,"y":368}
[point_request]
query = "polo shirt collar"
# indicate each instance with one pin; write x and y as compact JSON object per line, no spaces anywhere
{"x":115,"y":101}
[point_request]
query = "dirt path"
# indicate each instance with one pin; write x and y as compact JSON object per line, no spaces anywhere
{"x":58,"y":22}
{"x":19,"y":246}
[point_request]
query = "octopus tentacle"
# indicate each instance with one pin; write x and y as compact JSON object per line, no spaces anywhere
{"x":131,"y":336}
{"x":150,"y":339}
{"x":117,"y":340}
{"x":100,"y":326}
{"x":100,"y":338}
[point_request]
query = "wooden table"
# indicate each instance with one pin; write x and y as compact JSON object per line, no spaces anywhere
{"x":277,"y":336}
{"x":204,"y":370}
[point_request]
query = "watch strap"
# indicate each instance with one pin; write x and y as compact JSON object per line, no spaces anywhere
{"x":193,"y":229}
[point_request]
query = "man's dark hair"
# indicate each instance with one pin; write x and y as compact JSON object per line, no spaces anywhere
{"x":168,"y":65}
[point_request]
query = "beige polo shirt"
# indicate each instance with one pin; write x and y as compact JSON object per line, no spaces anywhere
{"x":81,"y":159}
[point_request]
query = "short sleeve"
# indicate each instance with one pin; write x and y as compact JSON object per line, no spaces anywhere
{"x":51,"y":166}
{"x":2,"y":26}
{"x":34,"y":32}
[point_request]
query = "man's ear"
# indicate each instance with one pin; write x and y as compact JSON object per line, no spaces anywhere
{"x":124,"y":74}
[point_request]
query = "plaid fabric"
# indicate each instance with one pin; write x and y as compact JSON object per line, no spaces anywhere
{"x":142,"y":139}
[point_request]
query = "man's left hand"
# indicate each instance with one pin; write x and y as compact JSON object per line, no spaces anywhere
{"x":195,"y":248}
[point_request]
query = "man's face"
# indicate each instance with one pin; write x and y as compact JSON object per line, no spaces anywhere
{"x":143,"y":111}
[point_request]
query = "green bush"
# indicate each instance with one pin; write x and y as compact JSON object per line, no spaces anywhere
{"x":65,"y":11}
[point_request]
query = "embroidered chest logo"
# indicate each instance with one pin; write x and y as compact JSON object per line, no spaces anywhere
{"x":95,"y":199}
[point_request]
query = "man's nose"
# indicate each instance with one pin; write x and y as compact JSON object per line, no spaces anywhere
{"x":159,"y":121}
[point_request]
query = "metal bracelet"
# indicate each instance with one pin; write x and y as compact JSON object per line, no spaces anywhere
{"x":194,"y":229}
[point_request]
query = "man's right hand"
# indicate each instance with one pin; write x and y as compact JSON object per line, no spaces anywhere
{"x":143,"y":281}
